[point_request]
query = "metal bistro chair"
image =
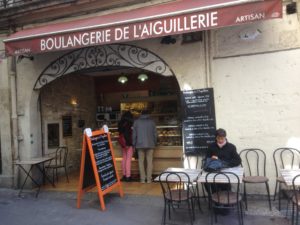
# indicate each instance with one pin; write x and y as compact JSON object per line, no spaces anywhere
{"x":284,"y":158}
{"x":195,"y":162}
{"x":255,"y":171}
{"x":177,"y":189}
{"x":221,"y":198}
{"x":296,"y":199}
{"x":59,"y":161}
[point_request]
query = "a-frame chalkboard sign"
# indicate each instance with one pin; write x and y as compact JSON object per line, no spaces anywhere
{"x":98,"y":166}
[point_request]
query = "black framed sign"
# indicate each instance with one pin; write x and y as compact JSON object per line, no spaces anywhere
{"x":98,"y":166}
{"x":199,"y":123}
{"x":104,"y":161}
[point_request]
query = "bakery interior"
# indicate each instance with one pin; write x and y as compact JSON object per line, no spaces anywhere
{"x":92,"y":98}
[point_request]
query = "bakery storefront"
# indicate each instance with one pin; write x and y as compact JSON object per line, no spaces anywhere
{"x":86,"y":72}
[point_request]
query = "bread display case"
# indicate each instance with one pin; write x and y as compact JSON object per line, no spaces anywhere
{"x":169,"y":136}
{"x":164,"y":111}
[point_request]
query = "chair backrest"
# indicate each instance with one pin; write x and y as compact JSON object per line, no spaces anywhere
{"x":175,"y":186}
{"x":61,"y":156}
{"x":253,"y":161}
{"x":286,"y":158}
{"x":216,"y":181}
{"x":296,"y":187}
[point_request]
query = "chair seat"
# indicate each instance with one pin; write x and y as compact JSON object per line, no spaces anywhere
{"x":255,"y":179}
{"x":177,"y":195}
{"x":226,"y":198}
{"x":280,"y":180}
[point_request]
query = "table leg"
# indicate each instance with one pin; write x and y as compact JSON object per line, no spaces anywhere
{"x":28,"y":175}
{"x":45,"y":177}
{"x":198,"y":196}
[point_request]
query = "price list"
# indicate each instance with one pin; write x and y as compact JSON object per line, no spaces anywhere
{"x":104,"y":161}
{"x":199,"y":122}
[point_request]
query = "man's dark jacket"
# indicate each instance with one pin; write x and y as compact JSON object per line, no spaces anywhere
{"x":227,"y":154}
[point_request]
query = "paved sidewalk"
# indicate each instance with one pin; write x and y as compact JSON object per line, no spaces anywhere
{"x":57,"y":208}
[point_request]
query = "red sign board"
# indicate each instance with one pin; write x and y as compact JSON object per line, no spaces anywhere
{"x":68,"y":36}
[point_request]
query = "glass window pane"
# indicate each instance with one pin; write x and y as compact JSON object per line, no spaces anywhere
{"x":53,"y":135}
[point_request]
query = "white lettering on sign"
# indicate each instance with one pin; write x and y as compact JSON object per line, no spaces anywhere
{"x":142,"y":30}
{"x":76,"y":40}
{"x":250,"y":17}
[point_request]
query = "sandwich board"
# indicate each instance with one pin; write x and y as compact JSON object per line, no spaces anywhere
{"x":98,"y":166}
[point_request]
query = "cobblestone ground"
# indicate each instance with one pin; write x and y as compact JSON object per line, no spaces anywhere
{"x":60,"y":208}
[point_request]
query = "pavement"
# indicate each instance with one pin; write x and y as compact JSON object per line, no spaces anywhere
{"x":55,"y":208}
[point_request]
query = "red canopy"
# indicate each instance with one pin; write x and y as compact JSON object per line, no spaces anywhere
{"x":171,"y":18}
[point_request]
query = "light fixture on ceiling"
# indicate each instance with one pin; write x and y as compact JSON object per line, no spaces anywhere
{"x":122,"y":79}
{"x":143,"y":77}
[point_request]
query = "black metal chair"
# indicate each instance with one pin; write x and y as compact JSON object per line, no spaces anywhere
{"x":177,"y":190}
{"x":59,"y":162}
{"x":221,"y":198}
{"x":195,"y":162}
{"x":284,"y":158}
{"x":296,"y":199}
{"x":254,"y":163}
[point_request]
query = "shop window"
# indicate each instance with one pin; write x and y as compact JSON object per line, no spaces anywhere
{"x":67,"y":126}
{"x":53,"y":135}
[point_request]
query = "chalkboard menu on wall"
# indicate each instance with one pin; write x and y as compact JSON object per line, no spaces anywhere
{"x":104,"y":161}
{"x":199,"y":123}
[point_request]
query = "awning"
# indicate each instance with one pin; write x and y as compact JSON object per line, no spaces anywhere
{"x":171,"y":18}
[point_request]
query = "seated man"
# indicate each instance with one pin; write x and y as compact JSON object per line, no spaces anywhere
{"x":223,"y":150}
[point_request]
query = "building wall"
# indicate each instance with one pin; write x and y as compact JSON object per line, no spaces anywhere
{"x":6,"y":177}
{"x":186,"y":60}
{"x":253,"y":69}
{"x":56,"y":102}
{"x":256,"y":83}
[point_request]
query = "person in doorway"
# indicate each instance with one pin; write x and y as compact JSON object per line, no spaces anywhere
{"x":222,"y":150}
{"x":144,"y":140}
{"x":125,"y":140}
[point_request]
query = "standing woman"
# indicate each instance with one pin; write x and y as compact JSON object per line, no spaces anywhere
{"x":125,"y":140}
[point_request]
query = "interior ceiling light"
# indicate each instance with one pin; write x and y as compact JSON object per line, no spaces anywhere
{"x":122,"y":79}
{"x":142,"y":77}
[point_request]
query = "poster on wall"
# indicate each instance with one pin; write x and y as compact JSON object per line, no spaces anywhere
{"x":199,"y":121}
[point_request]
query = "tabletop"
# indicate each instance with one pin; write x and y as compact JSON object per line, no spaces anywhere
{"x":33,"y":161}
{"x":289,"y":174}
{"x":239,"y":171}
{"x":192,"y":173}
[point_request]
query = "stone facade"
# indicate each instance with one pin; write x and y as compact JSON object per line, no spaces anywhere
{"x":253,"y":69}
{"x":56,"y":101}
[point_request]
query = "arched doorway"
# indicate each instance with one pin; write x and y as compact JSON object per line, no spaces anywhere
{"x":81,"y":89}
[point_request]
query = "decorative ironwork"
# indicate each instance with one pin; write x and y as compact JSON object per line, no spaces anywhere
{"x":102,"y":56}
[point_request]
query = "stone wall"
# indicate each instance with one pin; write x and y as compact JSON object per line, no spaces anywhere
{"x":56,"y":100}
{"x":256,"y":82}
